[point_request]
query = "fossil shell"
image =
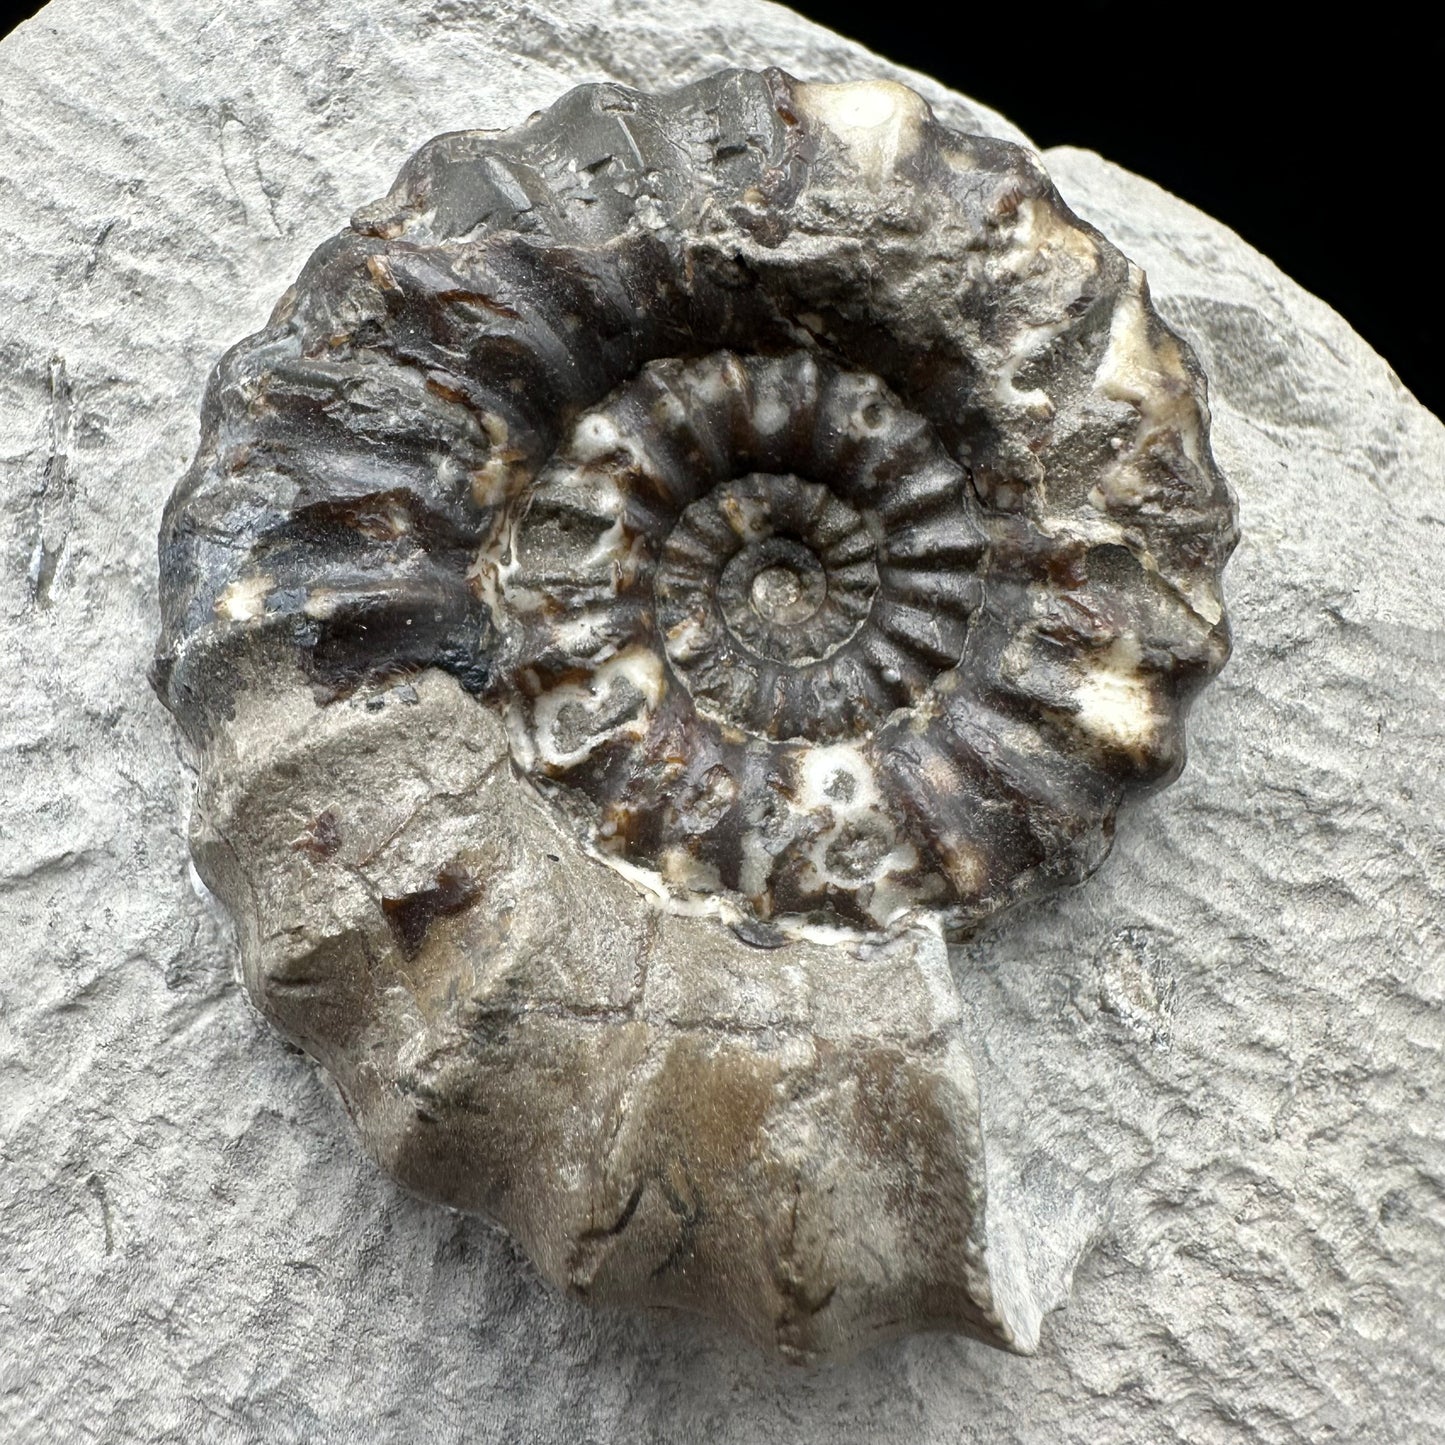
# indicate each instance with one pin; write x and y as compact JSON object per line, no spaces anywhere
{"x":725,"y":599}
{"x":818,"y":501}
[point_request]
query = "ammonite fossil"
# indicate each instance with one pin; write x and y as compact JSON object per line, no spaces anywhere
{"x":658,"y":572}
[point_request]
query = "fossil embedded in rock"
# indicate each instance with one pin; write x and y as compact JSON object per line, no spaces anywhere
{"x":818,"y":512}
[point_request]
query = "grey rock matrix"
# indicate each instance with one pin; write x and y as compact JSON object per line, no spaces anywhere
{"x":1216,"y":1070}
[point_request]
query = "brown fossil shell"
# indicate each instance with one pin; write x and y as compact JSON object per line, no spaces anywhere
{"x":558,"y":413}
{"x":833,"y":524}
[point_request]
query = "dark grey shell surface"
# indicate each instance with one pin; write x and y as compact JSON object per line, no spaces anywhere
{"x":820,"y":501}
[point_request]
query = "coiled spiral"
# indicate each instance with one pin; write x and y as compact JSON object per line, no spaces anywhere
{"x":822,"y":502}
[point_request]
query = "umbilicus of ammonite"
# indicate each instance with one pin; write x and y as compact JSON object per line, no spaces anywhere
{"x":659,"y":575}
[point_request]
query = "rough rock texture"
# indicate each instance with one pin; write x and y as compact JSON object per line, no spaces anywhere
{"x":1231,"y":1040}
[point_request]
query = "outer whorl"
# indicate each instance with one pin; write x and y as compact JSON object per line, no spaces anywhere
{"x":833,"y":524}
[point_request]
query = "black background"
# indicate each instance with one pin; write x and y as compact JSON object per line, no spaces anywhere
{"x":1318,"y":141}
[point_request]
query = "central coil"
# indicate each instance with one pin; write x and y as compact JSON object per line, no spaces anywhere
{"x":760,"y":585}
{"x":789,"y":567}
{"x":796,"y":539}
{"x":735,"y":570}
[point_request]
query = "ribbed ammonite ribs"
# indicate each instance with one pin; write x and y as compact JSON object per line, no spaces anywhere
{"x":821,"y":500}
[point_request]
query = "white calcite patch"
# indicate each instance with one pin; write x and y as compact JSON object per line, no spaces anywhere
{"x":245,"y":599}
{"x":880,"y":122}
{"x":1144,"y":369}
{"x":570,"y":721}
{"x":860,"y":847}
{"x":1116,"y":703}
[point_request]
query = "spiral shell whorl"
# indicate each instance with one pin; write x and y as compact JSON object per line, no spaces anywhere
{"x":819,"y":516}
{"x":810,"y":425}
{"x":732,"y":561}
